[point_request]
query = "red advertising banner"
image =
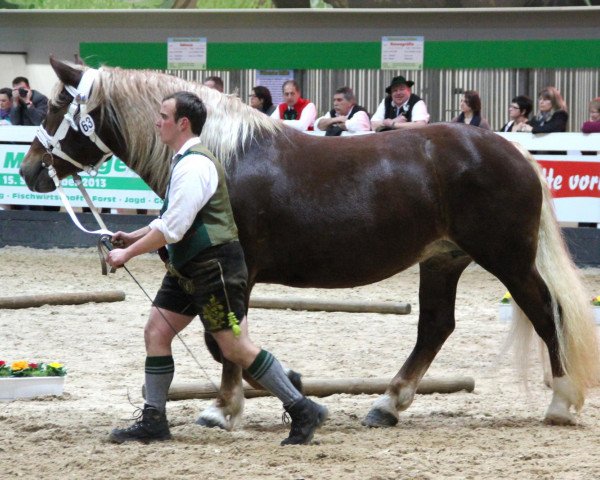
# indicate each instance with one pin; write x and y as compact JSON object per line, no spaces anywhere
{"x":572,"y":178}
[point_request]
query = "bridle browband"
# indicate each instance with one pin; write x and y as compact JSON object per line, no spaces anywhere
{"x":78,"y":107}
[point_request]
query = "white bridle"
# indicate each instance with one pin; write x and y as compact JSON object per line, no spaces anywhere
{"x":87,"y":127}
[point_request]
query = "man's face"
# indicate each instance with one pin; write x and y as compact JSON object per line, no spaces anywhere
{"x":400,"y":94}
{"x":168,"y":128}
{"x":16,"y":87}
{"x":4,"y":101}
{"x":341,"y":105}
{"x":291,"y":95}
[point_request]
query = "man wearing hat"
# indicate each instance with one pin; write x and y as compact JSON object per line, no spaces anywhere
{"x":400,"y":108}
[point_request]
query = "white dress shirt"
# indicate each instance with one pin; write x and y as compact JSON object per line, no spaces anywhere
{"x":193,"y":181}
{"x":358,"y":123}
{"x":419,"y":111}
{"x":306,"y":120}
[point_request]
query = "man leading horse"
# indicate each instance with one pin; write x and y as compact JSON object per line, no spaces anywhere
{"x":206,"y":276}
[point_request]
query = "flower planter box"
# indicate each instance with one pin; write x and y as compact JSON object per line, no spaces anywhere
{"x":596,"y":311}
{"x":505,"y":312}
{"x":13,"y":388}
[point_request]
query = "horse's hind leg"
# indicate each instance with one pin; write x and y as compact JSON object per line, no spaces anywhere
{"x":533,"y":297}
{"x":437,"y":294}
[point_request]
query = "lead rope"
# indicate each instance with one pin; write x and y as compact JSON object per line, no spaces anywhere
{"x":106,"y":243}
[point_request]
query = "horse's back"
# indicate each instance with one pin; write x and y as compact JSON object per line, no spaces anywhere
{"x":352,"y":210}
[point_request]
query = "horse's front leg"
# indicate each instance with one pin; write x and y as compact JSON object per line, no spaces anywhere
{"x":437,"y":293}
{"x":229,"y":404}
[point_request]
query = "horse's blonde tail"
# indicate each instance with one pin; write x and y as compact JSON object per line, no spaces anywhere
{"x":576,"y":330}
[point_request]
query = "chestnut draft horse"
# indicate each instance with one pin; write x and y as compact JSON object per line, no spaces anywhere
{"x":340,"y":212}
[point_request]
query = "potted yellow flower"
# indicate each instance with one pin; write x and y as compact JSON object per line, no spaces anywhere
{"x":505,"y":308}
{"x":23,"y":379}
{"x":596,"y":309}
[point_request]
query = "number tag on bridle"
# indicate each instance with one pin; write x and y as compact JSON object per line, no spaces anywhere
{"x":86,"y":125}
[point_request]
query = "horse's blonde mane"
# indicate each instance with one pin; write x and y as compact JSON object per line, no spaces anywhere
{"x":131,"y":99}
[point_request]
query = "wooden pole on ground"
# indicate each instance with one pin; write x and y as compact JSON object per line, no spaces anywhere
{"x":71,"y":298}
{"x":313,"y":304}
{"x":322,"y":387}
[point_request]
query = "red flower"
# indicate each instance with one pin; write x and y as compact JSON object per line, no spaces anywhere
{"x":2,"y":363}
{"x":33,"y":365}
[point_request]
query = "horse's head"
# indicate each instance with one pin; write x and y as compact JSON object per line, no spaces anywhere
{"x":69,"y":139}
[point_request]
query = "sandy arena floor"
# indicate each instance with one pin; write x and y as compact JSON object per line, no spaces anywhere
{"x":496,"y":432}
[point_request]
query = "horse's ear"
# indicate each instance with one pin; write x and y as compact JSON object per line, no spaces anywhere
{"x":66,"y":74}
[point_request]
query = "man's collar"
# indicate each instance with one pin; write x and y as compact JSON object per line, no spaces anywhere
{"x":187,"y":145}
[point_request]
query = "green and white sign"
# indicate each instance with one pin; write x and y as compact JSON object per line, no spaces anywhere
{"x":115,"y":186}
{"x":186,"y":53}
{"x":402,"y":53}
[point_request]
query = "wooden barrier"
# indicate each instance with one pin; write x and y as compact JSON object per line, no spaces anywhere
{"x":317,"y":305}
{"x":70,"y":298}
{"x":322,"y":387}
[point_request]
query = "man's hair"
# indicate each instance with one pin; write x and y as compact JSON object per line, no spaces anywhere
{"x":6,"y":91}
{"x":19,"y":80}
{"x":290,"y":82}
{"x":218,"y":81}
{"x":347,"y":92}
{"x":525,"y":104}
{"x":189,"y":105}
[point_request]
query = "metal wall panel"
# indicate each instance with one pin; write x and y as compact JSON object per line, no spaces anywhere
{"x":441,"y":89}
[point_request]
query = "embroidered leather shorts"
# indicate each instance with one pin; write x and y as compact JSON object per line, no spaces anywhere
{"x":212,"y":285}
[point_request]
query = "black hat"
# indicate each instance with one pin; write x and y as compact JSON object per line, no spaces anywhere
{"x":399,"y":81}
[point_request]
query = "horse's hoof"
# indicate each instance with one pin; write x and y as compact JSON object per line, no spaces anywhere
{"x":210,"y":423}
{"x":559,"y":419}
{"x":379,"y":418}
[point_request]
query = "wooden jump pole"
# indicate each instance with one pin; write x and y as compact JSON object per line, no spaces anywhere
{"x":317,"y":305}
{"x":323,"y":387}
{"x":70,"y":298}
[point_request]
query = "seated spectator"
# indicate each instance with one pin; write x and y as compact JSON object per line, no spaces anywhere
{"x":260,"y":98}
{"x":470,"y":111}
{"x":345,"y":116}
{"x":400,"y":108}
{"x":29,"y":107}
{"x":214,"y":82}
{"x":593,"y":125}
{"x":5,"y":104}
{"x":296,"y":112}
{"x":518,"y":111}
{"x":552,"y":116}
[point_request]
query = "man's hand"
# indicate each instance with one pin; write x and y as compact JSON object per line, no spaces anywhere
{"x":117,"y":258}
{"x":123,"y":239}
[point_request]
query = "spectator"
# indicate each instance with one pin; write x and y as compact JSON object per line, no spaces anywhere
{"x":5,"y":104}
{"x":29,"y":107}
{"x":470,"y":111}
{"x":215,"y":83}
{"x":400,"y":108}
{"x":593,"y":125}
{"x":260,"y":98}
{"x":345,"y":116}
{"x":296,"y":112}
{"x":552,"y":116}
{"x":518,"y":111}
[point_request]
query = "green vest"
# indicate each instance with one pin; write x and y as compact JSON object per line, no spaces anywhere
{"x":214,"y":223}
